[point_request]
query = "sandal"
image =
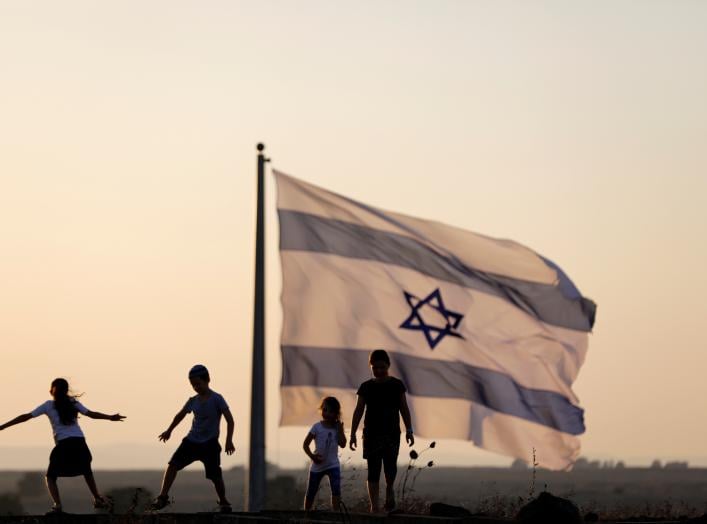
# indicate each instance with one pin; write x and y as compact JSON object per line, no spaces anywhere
{"x":162,"y":501}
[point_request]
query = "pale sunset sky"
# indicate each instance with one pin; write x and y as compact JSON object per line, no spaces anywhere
{"x":127,"y":192}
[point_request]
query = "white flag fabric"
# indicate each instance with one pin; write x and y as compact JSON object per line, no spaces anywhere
{"x":487,"y":335}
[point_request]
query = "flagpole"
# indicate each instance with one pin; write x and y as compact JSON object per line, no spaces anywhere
{"x":256,"y":469}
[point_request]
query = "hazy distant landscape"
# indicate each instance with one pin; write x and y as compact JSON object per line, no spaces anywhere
{"x":670,"y":490}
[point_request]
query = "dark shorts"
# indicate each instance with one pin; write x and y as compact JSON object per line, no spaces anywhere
{"x":70,"y":458}
{"x":381,"y":452}
{"x":209,"y":453}
{"x":315,"y":478}
{"x":379,"y":446}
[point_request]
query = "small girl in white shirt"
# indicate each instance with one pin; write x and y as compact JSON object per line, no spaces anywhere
{"x":71,"y":456}
{"x":328,"y":435}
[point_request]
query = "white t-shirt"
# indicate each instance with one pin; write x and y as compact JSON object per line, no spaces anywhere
{"x":61,"y":431}
{"x":326,"y":442}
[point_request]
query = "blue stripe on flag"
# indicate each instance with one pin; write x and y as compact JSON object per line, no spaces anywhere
{"x":348,"y":368}
{"x":556,"y":305}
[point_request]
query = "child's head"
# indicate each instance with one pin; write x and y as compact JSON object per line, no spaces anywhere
{"x":59,"y":388}
{"x":199,"y":378}
{"x":380,"y":363}
{"x":331,"y":409}
{"x":63,"y":402}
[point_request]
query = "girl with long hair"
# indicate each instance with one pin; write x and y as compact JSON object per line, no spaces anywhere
{"x":70,"y":456}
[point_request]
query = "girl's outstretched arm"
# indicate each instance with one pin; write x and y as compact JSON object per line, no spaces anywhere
{"x":102,"y":416}
{"x":17,"y":420}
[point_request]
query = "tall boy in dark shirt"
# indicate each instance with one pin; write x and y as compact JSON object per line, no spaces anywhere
{"x":383,"y":399}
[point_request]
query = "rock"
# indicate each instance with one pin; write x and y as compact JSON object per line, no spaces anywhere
{"x":549,"y":509}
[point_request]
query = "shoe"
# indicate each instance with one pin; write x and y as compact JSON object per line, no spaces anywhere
{"x":103,"y":503}
{"x":56,"y":510}
{"x":224,"y":508}
{"x":161,"y":502}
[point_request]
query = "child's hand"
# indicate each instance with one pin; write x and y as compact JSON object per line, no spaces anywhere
{"x":230,"y":448}
{"x":317,"y":458}
{"x":164,"y":437}
{"x":352,"y":442}
{"x":409,"y":438}
{"x":116,"y":418}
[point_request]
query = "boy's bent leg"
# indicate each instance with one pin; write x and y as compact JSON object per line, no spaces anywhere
{"x":170,"y":474}
{"x":182,"y":457}
{"x":210,"y":456}
{"x":215,"y":475}
{"x":162,"y":500}
{"x":221,"y":491}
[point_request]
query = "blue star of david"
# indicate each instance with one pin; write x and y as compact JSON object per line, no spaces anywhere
{"x":433,"y":334}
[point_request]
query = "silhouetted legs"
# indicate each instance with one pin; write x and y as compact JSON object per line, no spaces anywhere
{"x":170,"y":474}
{"x":221,"y":491}
{"x":53,"y":491}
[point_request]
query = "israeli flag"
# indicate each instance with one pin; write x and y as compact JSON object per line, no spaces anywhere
{"x":487,"y":335}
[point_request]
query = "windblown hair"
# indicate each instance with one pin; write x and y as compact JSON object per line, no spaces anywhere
{"x":332,"y":405}
{"x":64,"y":403}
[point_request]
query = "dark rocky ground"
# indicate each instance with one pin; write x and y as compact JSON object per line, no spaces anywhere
{"x":613,"y":495}
{"x":292,"y":517}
